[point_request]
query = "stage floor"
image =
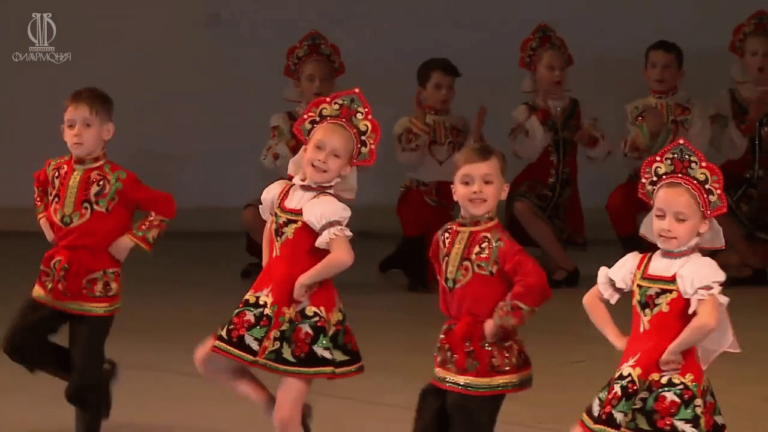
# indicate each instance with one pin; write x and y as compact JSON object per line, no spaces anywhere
{"x":189,"y":285}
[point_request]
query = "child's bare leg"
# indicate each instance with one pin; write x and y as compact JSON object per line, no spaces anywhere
{"x":232,"y":374}
{"x":289,"y":406}
{"x":540,"y":231}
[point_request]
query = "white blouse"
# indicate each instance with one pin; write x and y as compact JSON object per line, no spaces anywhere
{"x":698,"y":277}
{"x":727,"y":139}
{"x":326,"y":215}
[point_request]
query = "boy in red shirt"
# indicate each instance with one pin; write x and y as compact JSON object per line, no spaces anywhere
{"x":489,"y":286}
{"x":85,"y":205}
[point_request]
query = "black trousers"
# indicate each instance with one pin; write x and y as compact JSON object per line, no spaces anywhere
{"x":81,"y":365}
{"x":441,"y":410}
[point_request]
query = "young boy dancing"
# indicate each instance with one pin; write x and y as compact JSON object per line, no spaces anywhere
{"x":489,"y":286}
{"x":85,"y":205}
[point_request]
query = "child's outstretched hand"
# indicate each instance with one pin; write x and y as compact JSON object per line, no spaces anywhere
{"x":120,"y":248}
{"x":491,"y":330}
{"x":671,"y":361}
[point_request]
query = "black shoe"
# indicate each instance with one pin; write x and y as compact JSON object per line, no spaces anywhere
{"x":87,"y":421}
{"x":110,"y":376}
{"x":571,"y":280}
{"x":251,"y":270}
{"x":395,"y":260}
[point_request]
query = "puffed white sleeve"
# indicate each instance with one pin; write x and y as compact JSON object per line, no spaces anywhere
{"x":614,"y":281}
{"x":697,"y":280}
{"x":328,"y":217}
{"x":725,"y":136}
{"x":269,"y":199}
{"x":528,"y":136}
{"x":599,"y":147}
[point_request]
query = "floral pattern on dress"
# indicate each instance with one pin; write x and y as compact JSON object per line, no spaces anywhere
{"x":662,"y":402}
{"x":280,"y":339}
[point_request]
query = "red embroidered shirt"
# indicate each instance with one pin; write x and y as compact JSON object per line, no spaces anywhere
{"x":89,"y":204}
{"x":484,"y":274}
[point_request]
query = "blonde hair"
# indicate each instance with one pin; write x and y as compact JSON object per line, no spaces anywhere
{"x":678,"y":185}
{"x":479,"y":153}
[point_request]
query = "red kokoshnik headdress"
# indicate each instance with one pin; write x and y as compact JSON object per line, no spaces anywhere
{"x":313,"y":45}
{"x":350,"y":110}
{"x":543,"y":36}
{"x":757,"y":23}
{"x":682,"y":163}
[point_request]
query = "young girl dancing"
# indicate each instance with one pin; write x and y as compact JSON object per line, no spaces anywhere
{"x":291,"y":322}
{"x":312,"y":64}
{"x":679,"y":317}
{"x":544,"y":208}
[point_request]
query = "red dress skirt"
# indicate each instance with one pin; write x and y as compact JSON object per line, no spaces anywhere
{"x":641,"y":397}
{"x":272,"y":331}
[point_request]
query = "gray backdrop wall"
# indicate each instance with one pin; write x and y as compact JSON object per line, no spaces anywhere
{"x":195,"y":82}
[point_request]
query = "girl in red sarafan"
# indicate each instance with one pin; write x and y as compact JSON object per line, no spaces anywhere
{"x":544,"y":208}
{"x":679,"y":318}
{"x":291,"y":322}
{"x":313,"y":64}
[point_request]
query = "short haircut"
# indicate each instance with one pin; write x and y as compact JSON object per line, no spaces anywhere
{"x":474,"y":153}
{"x":435,"y":64}
{"x":667,"y":47}
{"x":97,"y":100}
